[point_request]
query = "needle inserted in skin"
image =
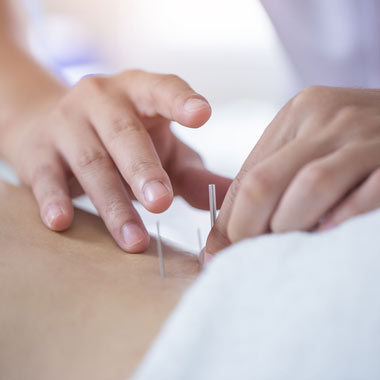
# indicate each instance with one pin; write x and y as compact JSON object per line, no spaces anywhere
{"x":159,"y":251}
{"x":212,"y":200}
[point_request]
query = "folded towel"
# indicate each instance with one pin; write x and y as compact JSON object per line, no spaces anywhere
{"x":291,"y":306}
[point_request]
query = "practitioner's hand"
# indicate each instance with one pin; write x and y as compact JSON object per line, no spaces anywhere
{"x":316,"y":165}
{"x":110,"y":136}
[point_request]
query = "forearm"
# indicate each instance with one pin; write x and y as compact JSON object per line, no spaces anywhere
{"x":24,"y":84}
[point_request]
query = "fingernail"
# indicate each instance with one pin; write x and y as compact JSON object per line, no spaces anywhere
{"x":132,"y":234}
{"x":52,"y":213}
{"x":155,"y":190}
{"x":195,"y":104}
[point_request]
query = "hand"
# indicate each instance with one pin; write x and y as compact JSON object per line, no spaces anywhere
{"x":110,"y":137}
{"x":316,"y":165}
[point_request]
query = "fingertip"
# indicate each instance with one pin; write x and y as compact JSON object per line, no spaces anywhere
{"x":160,"y":205}
{"x":158,"y":196}
{"x":57,"y":217}
{"x":196,"y":112}
{"x":138,"y":248}
{"x":135,"y":239}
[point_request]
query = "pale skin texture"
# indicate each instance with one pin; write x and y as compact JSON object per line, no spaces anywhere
{"x":107,"y":136}
{"x":314,"y":167}
{"x":76,"y":306}
{"x":73,"y":304}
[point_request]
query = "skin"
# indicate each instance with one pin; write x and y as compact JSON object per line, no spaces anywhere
{"x":75,"y":306}
{"x":109,"y":137}
{"x":316,"y":165}
{"x":319,"y":154}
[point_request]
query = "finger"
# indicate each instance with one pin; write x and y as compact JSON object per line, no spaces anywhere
{"x":264,"y":185}
{"x":49,"y":186}
{"x":194,"y":187}
{"x":191,"y":178}
{"x":166,"y":95}
{"x":132,"y":150}
{"x":321,"y":184}
{"x":276,"y":135}
{"x":75,"y":189}
{"x":99,"y":178}
{"x":363,"y":199}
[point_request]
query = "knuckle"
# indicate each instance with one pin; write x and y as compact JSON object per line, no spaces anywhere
{"x":256,"y":184}
{"x":68,"y":107}
{"x":111,"y":211}
{"x":121,"y":126}
{"x":354,"y":149}
{"x":308,"y":95}
{"x":65,"y":109}
{"x":171,"y":78}
{"x":90,"y":158}
{"x":314,"y":177}
{"x":347,"y":114}
{"x":236,"y":184}
{"x":134,"y":73}
{"x":138,"y":167}
{"x":92,"y":84}
{"x":163,"y":80}
{"x":314,"y":91}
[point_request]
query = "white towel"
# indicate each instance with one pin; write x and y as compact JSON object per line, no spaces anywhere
{"x":292,"y":306}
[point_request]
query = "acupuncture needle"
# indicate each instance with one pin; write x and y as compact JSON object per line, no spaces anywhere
{"x":159,"y":251}
{"x":212,"y":200}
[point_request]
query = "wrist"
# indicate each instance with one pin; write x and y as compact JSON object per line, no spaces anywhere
{"x":26,"y":85}
{"x":14,"y":118}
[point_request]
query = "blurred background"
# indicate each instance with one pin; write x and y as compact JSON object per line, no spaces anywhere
{"x":227,"y":51}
